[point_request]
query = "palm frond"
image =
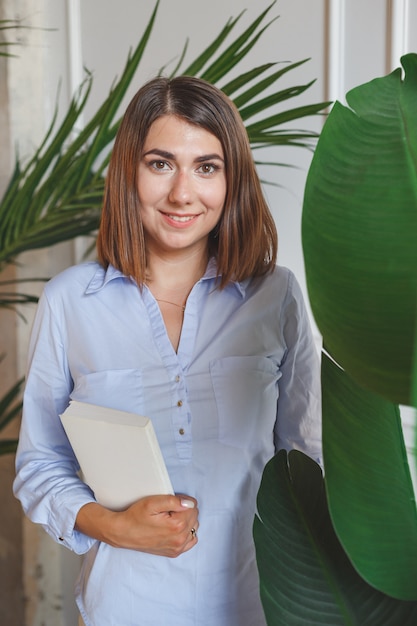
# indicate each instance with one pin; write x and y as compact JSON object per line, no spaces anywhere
{"x":14,"y":25}
{"x":10,"y":409}
{"x":57,"y":196}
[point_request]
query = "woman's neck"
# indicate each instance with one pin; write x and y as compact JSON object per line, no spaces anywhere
{"x":170,"y":282}
{"x":175,"y":274}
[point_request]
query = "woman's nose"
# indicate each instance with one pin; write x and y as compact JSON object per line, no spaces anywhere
{"x":181,"y":189}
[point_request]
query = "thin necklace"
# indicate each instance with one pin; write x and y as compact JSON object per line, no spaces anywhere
{"x":180,"y":306}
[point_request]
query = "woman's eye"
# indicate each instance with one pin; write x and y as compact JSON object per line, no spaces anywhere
{"x":208,"y":168}
{"x":159,"y":165}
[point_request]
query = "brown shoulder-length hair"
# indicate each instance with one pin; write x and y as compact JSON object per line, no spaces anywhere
{"x":244,"y":241}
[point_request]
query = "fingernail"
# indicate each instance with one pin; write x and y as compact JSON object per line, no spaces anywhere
{"x":188,"y":504}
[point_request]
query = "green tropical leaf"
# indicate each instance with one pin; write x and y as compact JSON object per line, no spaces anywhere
{"x":261,"y":86}
{"x":414,"y":385}
{"x":10,"y":408}
{"x":306,"y":577}
{"x":10,"y":299}
{"x":238,"y":49}
{"x":242,"y":81}
{"x":359,"y":232}
{"x":6,"y":25}
{"x":8,"y":446}
{"x":10,"y":405}
{"x":280,"y":96}
{"x":369,"y":487}
{"x":207,"y":55}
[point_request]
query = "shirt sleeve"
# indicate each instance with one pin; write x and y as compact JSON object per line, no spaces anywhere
{"x":47,"y":483}
{"x":298,"y":424}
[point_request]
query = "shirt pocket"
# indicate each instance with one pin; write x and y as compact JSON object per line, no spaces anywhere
{"x":118,"y":389}
{"x":246,"y":394}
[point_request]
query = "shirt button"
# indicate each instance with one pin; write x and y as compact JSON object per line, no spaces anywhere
{"x":181,"y":431}
{"x":179,"y":403}
{"x":177,"y":379}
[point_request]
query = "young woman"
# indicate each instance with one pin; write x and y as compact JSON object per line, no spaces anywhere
{"x":186,"y":319}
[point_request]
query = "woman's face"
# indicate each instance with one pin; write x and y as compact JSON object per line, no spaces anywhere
{"x":181,"y":186}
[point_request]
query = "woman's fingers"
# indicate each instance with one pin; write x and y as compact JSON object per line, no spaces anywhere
{"x":164,"y":525}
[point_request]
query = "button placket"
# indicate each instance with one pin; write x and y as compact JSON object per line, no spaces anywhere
{"x":181,"y":415}
{"x":181,"y":418}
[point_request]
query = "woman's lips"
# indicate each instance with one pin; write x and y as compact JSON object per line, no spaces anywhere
{"x":179,"y":220}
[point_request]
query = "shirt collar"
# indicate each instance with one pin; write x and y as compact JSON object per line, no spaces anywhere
{"x":211,"y":274}
{"x":103,"y":276}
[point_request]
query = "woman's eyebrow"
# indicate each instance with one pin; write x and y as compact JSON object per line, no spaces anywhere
{"x":161,"y":153}
{"x":209,"y":157}
{"x":169,"y":155}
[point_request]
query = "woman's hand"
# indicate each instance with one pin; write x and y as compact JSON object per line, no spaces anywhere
{"x":159,"y":525}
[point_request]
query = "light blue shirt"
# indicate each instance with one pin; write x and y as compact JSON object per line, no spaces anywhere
{"x":244,"y":383}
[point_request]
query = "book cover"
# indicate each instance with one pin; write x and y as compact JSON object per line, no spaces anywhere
{"x":118,"y":453}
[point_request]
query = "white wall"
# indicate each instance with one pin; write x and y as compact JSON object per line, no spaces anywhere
{"x":349,"y":42}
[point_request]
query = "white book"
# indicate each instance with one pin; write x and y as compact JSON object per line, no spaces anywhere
{"x":118,"y":453}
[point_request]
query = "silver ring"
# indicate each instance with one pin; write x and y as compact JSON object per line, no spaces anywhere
{"x":193,"y":533}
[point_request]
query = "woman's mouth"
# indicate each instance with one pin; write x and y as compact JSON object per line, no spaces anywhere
{"x":181,"y":218}
{"x":179,"y":221}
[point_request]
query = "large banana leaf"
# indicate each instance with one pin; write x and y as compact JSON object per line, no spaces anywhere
{"x":359,"y":240}
{"x":370,"y":492}
{"x":306,"y":577}
{"x":359,"y":232}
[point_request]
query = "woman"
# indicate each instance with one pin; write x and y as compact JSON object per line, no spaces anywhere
{"x":185,"y":319}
